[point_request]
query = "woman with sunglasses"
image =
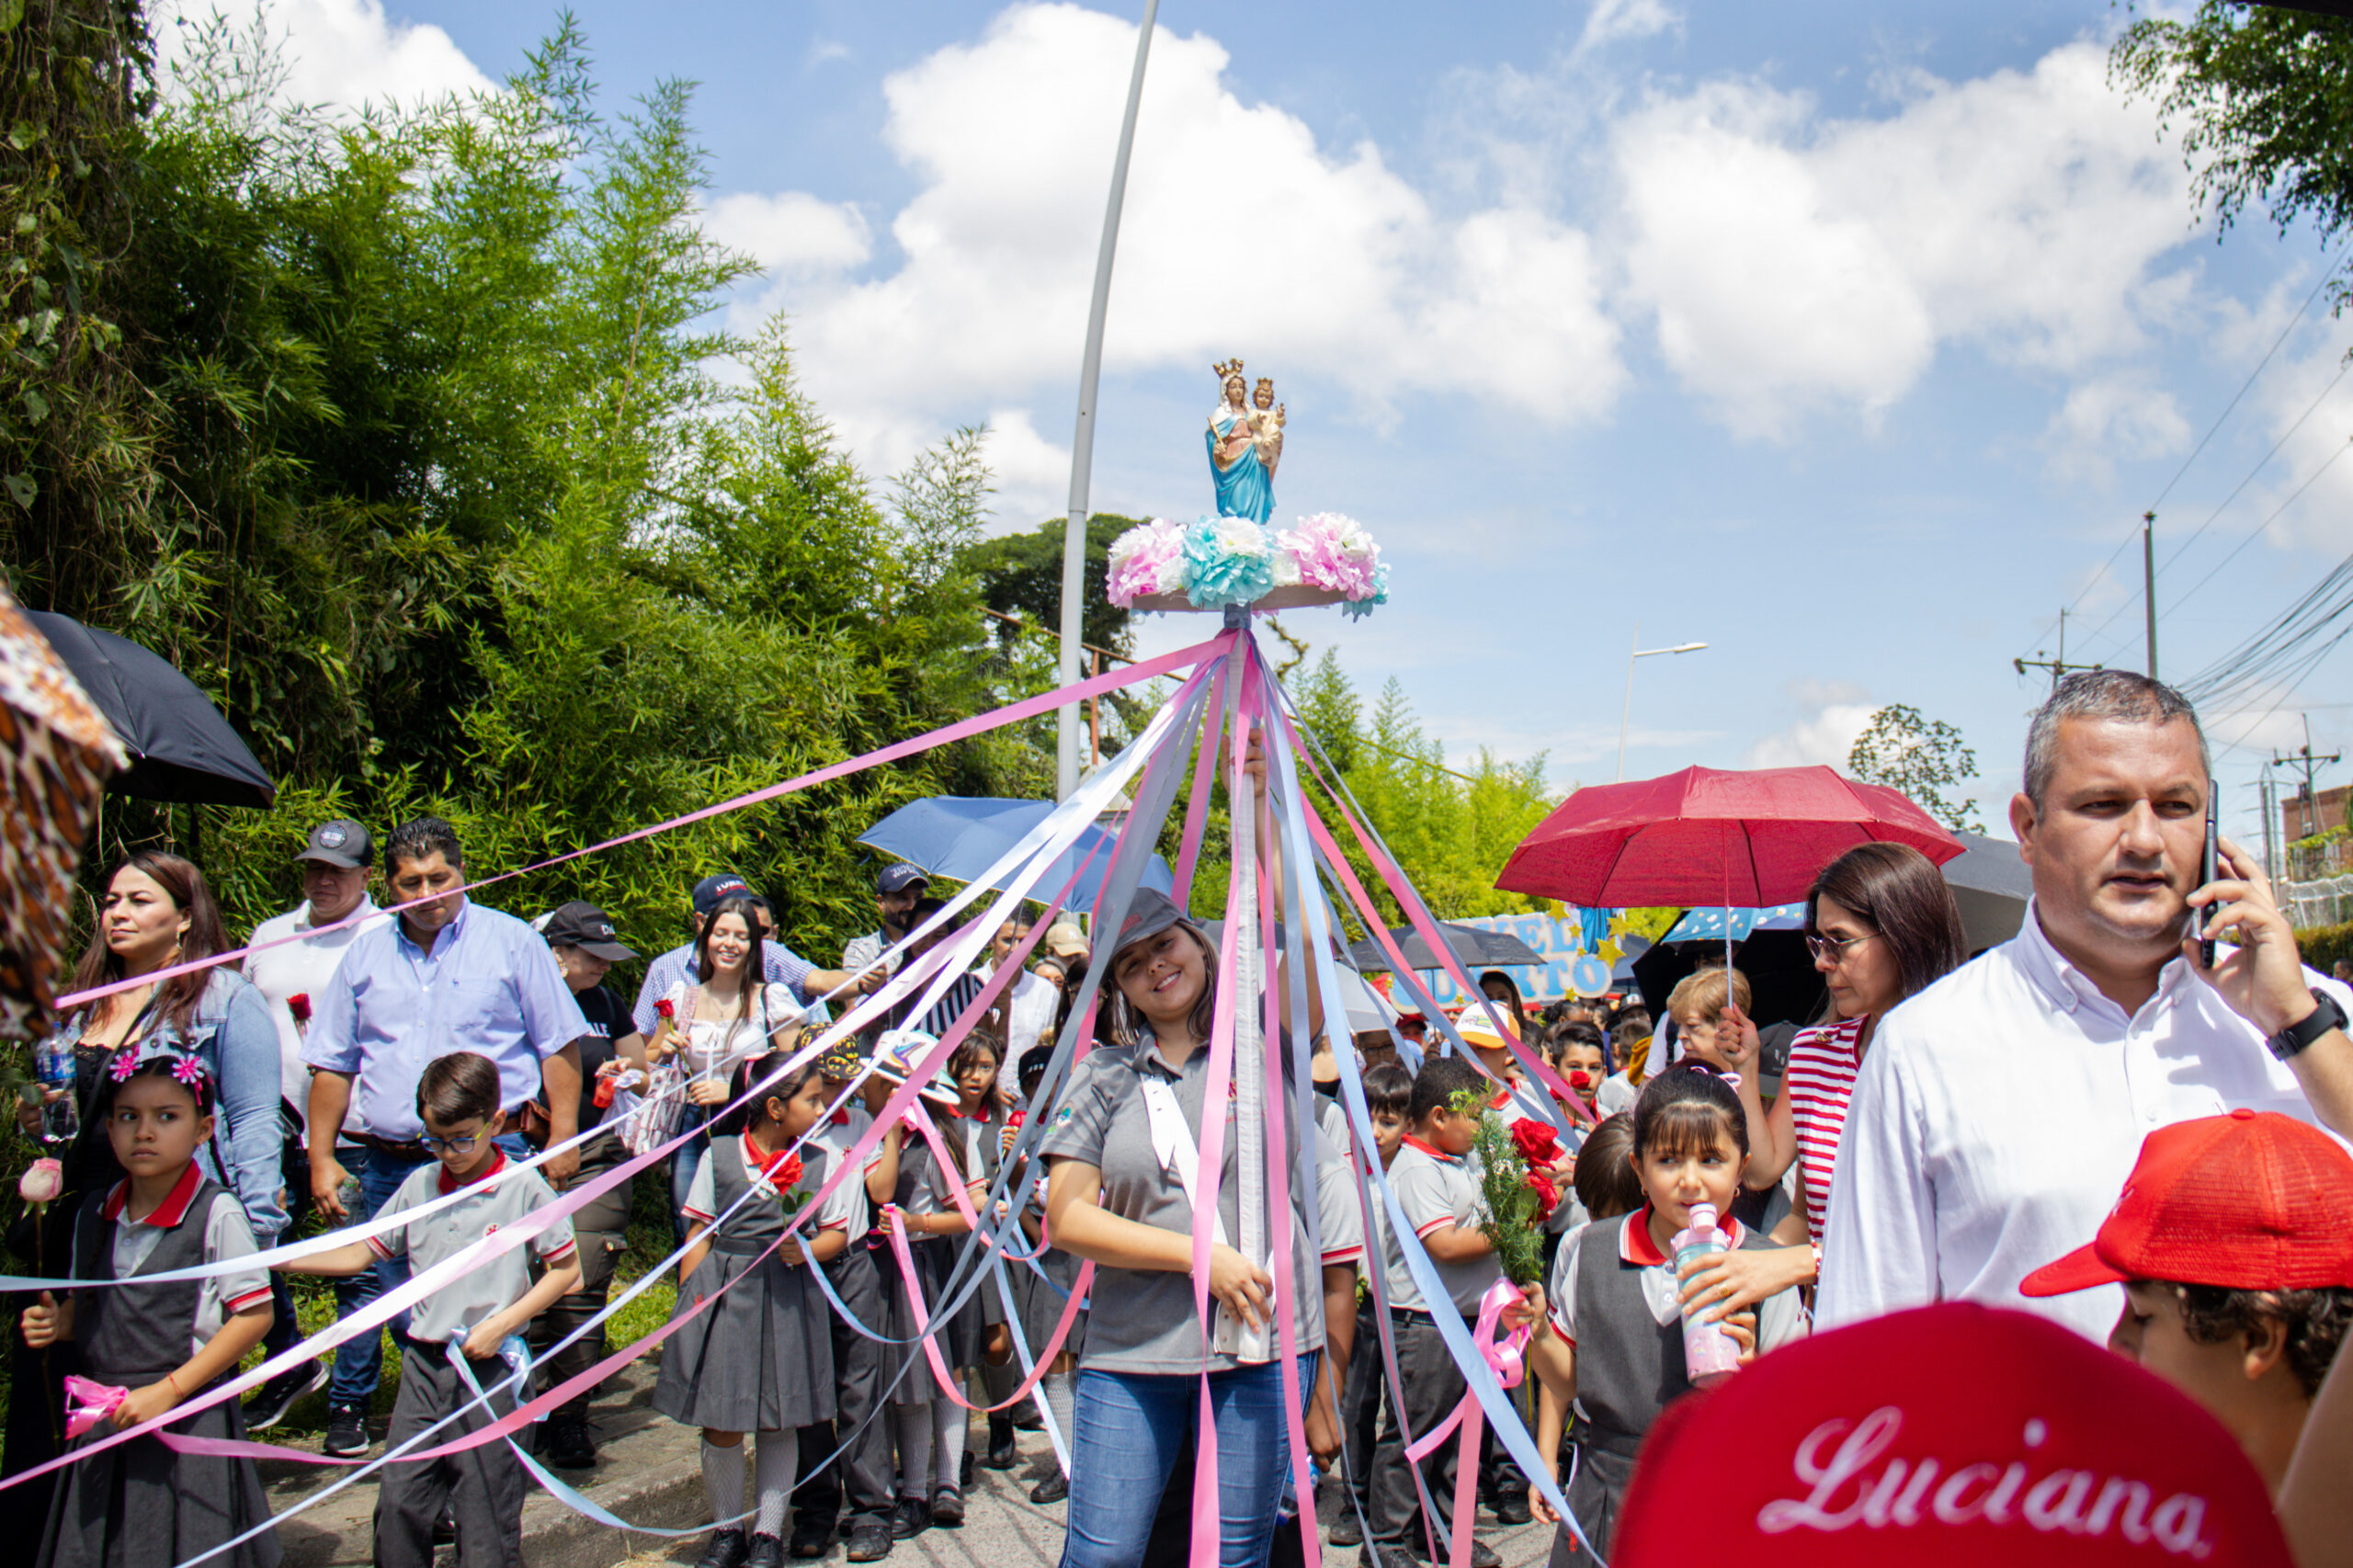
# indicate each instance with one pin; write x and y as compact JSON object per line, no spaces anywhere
{"x":1881,"y":924}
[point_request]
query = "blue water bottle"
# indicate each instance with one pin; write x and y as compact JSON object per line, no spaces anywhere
{"x":54,"y":1065}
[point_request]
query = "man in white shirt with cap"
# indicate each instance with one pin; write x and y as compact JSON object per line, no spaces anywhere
{"x":1999,"y":1112}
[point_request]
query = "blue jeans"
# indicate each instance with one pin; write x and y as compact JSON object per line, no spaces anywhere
{"x":682,"y":1164}
{"x":359,"y":1361}
{"x":1129,"y":1429}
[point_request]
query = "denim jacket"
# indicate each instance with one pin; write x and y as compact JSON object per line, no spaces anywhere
{"x":232,"y":1033}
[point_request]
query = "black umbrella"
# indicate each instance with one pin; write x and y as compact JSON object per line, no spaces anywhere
{"x":181,"y":748}
{"x":1990,"y":884}
{"x":1474,"y":946}
{"x":1782,"y":982}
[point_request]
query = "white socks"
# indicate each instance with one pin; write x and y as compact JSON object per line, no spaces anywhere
{"x":914,"y":1422}
{"x":950,"y":1422}
{"x":778,"y":1457}
{"x":723,"y":1482}
{"x":1062,"y":1402}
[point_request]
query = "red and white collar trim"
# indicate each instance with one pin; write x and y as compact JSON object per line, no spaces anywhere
{"x":1433,"y":1151}
{"x":169,"y":1212}
{"x":450,"y":1183}
{"x":761,"y":1165}
{"x":1635,"y":1246}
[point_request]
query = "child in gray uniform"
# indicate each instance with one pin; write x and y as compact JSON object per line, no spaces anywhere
{"x":1617,"y":1313}
{"x":457,"y":1098}
{"x":759,"y":1357}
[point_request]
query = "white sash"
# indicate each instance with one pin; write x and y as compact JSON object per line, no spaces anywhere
{"x":1173,"y":1145}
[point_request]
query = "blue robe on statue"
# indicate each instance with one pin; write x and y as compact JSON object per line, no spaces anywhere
{"x":1245,"y":490}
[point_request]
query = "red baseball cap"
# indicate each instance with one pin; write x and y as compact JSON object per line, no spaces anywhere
{"x":1953,"y":1433}
{"x":2252,"y":1200}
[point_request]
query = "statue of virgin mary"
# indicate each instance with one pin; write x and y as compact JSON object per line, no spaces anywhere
{"x":1246,"y":485}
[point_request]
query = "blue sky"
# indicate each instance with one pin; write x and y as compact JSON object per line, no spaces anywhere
{"x":1851,"y":341}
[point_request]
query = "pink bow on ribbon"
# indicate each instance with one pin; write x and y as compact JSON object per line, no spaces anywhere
{"x":1504,"y":1356}
{"x":88,"y":1403}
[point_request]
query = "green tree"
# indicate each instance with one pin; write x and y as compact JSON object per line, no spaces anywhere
{"x":2266,"y":96}
{"x":1021,"y":575}
{"x":1920,"y":758}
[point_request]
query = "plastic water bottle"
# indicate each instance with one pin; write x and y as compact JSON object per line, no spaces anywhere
{"x":1710,"y":1353}
{"x":53,"y":1064}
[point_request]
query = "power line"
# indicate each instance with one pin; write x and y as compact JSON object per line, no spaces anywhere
{"x":2257,"y":532}
{"x":2182,"y":549}
{"x":2326,"y":273}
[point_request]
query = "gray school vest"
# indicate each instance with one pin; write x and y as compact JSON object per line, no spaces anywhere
{"x":136,"y":1333}
{"x":747,"y":1232}
{"x":1629,"y":1366}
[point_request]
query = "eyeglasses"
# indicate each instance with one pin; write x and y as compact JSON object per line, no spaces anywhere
{"x":1832,"y":950}
{"x":457,"y":1143}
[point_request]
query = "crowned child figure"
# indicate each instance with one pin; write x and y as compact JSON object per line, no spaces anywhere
{"x":1245,"y":444}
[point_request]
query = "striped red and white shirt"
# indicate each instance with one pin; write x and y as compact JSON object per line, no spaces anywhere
{"x":1820,"y":1083}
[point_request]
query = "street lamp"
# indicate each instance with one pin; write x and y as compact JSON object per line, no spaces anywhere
{"x":1628,"y":717}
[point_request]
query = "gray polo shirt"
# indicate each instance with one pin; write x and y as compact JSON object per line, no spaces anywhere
{"x":1336,"y":1205}
{"x":1436,"y":1190}
{"x":501,"y":1195}
{"x":1143,"y":1320}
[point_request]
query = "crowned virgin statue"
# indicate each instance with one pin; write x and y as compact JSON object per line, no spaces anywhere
{"x":1245,"y":444}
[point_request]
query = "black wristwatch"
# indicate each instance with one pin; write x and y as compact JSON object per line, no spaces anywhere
{"x":2289,"y":1042}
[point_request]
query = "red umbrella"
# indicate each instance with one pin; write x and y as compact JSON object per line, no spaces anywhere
{"x":1710,"y":835}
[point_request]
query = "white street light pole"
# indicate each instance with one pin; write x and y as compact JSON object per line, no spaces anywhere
{"x":1627,"y":718}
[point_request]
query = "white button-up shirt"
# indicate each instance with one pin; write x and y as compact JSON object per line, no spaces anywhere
{"x":1997,"y":1115}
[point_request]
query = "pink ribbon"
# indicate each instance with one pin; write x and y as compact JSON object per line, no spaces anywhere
{"x":88,"y":1403}
{"x":1505,"y":1356}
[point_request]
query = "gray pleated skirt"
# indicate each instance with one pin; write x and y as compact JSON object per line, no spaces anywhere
{"x":760,"y":1358}
{"x":959,"y":1335}
{"x":1041,"y":1304}
{"x":139,"y":1504}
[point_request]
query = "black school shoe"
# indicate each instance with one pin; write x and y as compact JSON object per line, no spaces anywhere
{"x":566,"y":1444}
{"x":1002,"y":1454}
{"x":869,"y":1542}
{"x":767,"y":1552}
{"x":1053,"y":1489}
{"x":726,"y":1550}
{"x":1344,"y":1530}
{"x":1511,"y":1508}
{"x":910,"y":1518}
{"x":947,"y":1508}
{"x":811,"y":1537}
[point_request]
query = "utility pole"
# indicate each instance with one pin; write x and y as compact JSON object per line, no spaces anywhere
{"x":2270,"y":824}
{"x":2058,"y":666}
{"x":2304,"y":762}
{"x":2149,"y":582}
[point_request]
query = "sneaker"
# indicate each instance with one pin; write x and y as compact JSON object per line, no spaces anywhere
{"x":1344,"y":1530}
{"x":767,"y":1552}
{"x":726,"y":1550}
{"x":565,"y":1443}
{"x":275,"y":1397}
{"x":1511,"y":1508}
{"x":1482,"y":1555}
{"x":812,"y":1539}
{"x":947,"y":1508}
{"x":347,"y":1432}
{"x":869,"y":1542}
{"x":1053,"y":1489}
{"x":964,"y":1473}
{"x":910,"y":1518}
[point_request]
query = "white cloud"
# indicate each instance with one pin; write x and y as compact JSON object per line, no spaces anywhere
{"x":1612,"y":20}
{"x":793,"y":234}
{"x":2311,"y":451}
{"x":1033,"y":474}
{"x":1240,"y":234}
{"x":2122,"y":415}
{"x":1795,"y":262}
{"x":340,"y":53}
{"x":1834,"y":714}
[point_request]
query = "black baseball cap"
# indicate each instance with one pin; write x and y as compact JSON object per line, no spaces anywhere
{"x":901,"y":877}
{"x":584,"y":926}
{"x":718,"y":885}
{"x":339,"y":843}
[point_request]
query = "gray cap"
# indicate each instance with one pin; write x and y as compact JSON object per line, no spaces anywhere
{"x":1150,"y":913}
{"x":339,"y":843}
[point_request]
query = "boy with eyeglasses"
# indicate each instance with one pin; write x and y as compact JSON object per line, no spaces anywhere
{"x":457,"y":1098}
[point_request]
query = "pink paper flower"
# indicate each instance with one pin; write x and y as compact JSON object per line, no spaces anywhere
{"x":126,"y":1062}
{"x":189,"y":1071}
{"x":1334,"y":553}
{"x":1147,"y":559}
{"x":42,"y":1181}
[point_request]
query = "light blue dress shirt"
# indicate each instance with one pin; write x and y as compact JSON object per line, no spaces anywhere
{"x":490,"y":986}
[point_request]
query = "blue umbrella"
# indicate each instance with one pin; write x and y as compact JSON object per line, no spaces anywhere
{"x":960,"y":838}
{"x":1709,"y":924}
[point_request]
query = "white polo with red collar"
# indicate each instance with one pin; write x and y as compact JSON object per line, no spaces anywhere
{"x":226,"y":1235}
{"x":1436,"y":1189}
{"x":1779,"y":1318}
{"x":500,"y":1195}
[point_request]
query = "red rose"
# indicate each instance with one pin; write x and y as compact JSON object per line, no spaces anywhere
{"x":300,"y":1005}
{"x":1536,"y":1142}
{"x":665,"y":1008}
{"x":788,"y":1175}
{"x":1017,"y":1118}
{"x":1546,"y":1193}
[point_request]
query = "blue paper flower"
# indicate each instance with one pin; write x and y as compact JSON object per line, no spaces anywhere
{"x":1357,"y":609}
{"x":1228,"y":560}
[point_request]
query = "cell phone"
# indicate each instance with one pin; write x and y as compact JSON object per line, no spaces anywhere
{"x":2208,"y":863}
